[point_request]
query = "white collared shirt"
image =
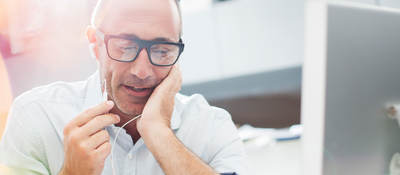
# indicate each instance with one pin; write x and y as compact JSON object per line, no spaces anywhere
{"x":33,"y":139}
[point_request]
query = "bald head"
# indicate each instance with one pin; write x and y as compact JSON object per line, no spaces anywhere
{"x":109,"y":12}
{"x":151,"y":20}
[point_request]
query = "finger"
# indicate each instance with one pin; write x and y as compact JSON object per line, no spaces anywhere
{"x":91,"y":113}
{"x":98,"y":123}
{"x":175,"y":72}
{"x":103,"y":150}
{"x":172,"y":82}
{"x":179,"y":77}
{"x":175,"y":80}
{"x":98,"y":139}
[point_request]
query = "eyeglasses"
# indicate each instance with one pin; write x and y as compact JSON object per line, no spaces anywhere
{"x":127,"y":48}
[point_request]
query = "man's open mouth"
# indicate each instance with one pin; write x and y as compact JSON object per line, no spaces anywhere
{"x":137,"y":89}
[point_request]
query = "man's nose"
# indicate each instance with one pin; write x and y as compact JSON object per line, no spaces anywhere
{"x":141,"y":66}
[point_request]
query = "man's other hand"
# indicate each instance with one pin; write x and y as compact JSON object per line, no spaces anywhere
{"x":86,"y":142}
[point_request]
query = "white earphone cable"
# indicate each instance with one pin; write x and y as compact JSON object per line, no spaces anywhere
{"x":115,"y":141}
{"x":105,"y":98}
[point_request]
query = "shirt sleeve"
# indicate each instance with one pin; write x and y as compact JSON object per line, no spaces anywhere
{"x":21,"y":149}
{"x":227,"y":147}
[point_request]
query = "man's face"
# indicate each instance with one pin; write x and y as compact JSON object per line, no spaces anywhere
{"x":148,"y":20}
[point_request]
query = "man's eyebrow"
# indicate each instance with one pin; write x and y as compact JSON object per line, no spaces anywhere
{"x":133,"y":36}
{"x":162,"y":39}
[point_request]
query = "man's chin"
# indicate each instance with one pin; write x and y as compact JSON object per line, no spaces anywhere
{"x":131,"y":109}
{"x":130,"y":105}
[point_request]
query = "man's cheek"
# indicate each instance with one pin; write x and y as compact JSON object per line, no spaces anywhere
{"x":163,"y":72}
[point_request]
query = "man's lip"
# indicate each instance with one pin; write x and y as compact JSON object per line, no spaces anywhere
{"x":138,"y":87}
{"x":137,"y":93}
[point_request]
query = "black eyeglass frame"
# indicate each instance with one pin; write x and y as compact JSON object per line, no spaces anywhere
{"x":143,"y":44}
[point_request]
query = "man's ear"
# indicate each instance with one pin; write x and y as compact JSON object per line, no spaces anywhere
{"x":91,"y":35}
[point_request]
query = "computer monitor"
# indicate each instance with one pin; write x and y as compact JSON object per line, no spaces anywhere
{"x":351,"y":73}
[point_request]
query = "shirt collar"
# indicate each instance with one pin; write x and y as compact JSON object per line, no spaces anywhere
{"x":94,"y":96}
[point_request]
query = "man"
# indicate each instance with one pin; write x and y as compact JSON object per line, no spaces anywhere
{"x":67,"y":128}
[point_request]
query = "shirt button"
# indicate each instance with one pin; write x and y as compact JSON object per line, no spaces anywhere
{"x":129,"y":156}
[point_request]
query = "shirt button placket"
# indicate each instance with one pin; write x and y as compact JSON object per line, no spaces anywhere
{"x":134,"y":163}
{"x":131,"y":161}
{"x":130,"y":156}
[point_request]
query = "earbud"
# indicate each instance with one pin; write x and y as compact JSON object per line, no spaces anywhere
{"x":92,"y":51}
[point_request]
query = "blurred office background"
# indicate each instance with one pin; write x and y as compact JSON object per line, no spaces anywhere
{"x":242,"y":55}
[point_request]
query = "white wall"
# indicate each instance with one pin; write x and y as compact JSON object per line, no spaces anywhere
{"x":259,"y":35}
{"x":199,"y":61}
{"x":386,"y":3}
{"x":242,"y":37}
{"x":364,"y":1}
{"x":390,"y":3}
{"x":222,"y":40}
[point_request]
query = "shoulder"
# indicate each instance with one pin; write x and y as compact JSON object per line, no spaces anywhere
{"x":201,"y":120}
{"x":206,"y":129}
{"x":57,"y":92}
{"x":196,"y":107}
{"x":45,"y":108}
{"x":42,"y":105}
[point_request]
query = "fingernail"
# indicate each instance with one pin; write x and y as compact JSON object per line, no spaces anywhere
{"x":110,"y":102}
{"x":117,"y":118}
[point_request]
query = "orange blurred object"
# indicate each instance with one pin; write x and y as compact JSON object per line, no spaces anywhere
{"x":5,"y":96}
{"x":3,"y":18}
